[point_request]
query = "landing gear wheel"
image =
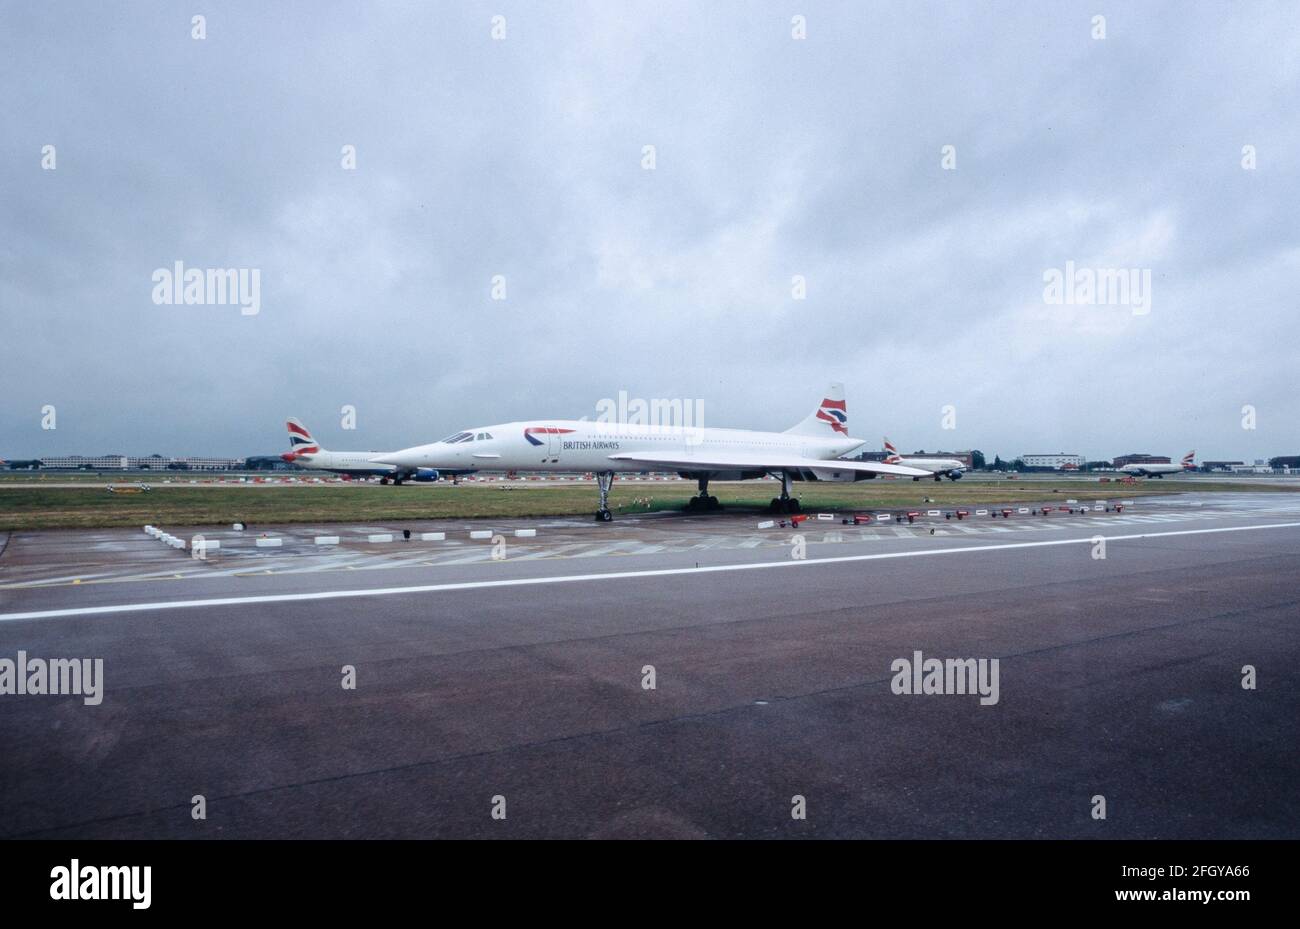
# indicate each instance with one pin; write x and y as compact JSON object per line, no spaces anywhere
{"x":604,"y":480}
{"x":383,"y":480}
{"x":792,"y":506}
{"x":702,"y":503}
{"x":777,"y":506}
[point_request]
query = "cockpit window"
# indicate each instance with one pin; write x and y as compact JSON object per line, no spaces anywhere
{"x":458,"y":437}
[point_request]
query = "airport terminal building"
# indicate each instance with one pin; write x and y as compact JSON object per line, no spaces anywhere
{"x":138,"y":463}
{"x":1056,"y":461}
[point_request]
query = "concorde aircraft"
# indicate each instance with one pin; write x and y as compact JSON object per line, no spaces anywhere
{"x":950,"y":468}
{"x":808,"y":451}
{"x":1160,"y":470}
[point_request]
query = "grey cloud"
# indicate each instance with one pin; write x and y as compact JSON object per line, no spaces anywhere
{"x":775,"y":158}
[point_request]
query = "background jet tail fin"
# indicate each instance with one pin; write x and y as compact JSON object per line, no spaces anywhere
{"x":1189,"y":460}
{"x":891,"y":452}
{"x":300,"y":440}
{"x":830,"y":419}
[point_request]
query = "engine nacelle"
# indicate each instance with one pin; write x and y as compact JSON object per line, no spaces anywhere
{"x":425,"y":474}
{"x":954,"y":475}
{"x":722,"y":475}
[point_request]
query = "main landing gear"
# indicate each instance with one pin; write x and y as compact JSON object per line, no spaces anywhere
{"x":785,"y":503}
{"x":604,"y":480}
{"x":703,"y":502}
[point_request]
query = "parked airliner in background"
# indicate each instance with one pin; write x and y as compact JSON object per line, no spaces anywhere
{"x":950,"y":468}
{"x":306,"y":452}
{"x":805,"y":452}
{"x":1160,"y":470}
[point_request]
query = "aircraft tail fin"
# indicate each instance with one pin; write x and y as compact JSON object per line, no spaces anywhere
{"x":1189,"y":460}
{"x":891,"y":453}
{"x":830,"y":419}
{"x":300,"y":441}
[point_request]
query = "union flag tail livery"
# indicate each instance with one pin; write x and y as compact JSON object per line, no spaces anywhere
{"x":891,"y":453}
{"x":830,"y":419}
{"x":300,"y":441}
{"x":1189,"y":461}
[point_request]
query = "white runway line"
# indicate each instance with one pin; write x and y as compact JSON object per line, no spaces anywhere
{"x":236,"y":560}
{"x":608,"y":576}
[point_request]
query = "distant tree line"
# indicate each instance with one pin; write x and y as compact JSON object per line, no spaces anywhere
{"x":978,"y":463}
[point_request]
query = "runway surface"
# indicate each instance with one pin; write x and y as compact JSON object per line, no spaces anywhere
{"x":523,"y":678}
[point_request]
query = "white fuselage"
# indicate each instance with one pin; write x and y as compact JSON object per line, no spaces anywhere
{"x":344,"y":462}
{"x":932,"y":465}
{"x":582,"y":445}
{"x":1140,"y":469}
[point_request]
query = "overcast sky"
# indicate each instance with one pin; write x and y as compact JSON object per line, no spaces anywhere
{"x":774,"y":157}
